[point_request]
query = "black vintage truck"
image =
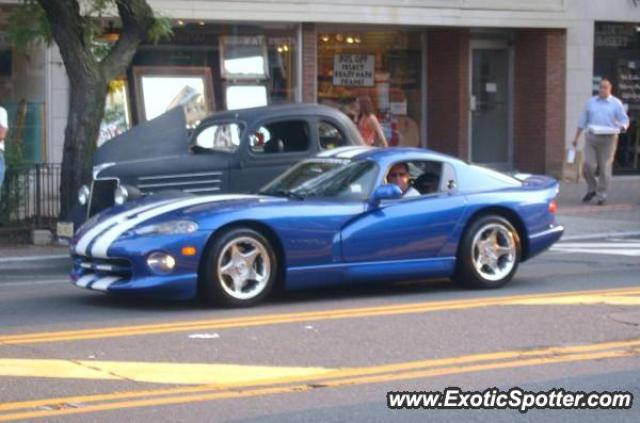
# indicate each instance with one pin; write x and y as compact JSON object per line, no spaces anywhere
{"x":232,"y":151}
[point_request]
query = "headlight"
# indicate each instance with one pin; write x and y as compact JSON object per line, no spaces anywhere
{"x":161,"y":263}
{"x":83,"y":195}
{"x":173,"y":227}
{"x":120,"y":195}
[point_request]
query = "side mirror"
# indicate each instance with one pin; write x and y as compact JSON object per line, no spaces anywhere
{"x":385,"y":192}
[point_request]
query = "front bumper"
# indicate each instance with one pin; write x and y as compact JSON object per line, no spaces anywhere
{"x":178,"y":287}
{"x":125,"y":271}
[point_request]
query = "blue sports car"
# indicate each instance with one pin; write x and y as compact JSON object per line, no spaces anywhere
{"x":332,"y":219}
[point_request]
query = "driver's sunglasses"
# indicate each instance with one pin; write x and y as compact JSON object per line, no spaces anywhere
{"x":398,"y":175}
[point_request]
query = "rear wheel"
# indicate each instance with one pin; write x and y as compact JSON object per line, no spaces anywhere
{"x":489,"y":253}
{"x":239,"y":270}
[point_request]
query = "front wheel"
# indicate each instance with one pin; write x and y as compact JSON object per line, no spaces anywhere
{"x":489,"y":253}
{"x":239,"y":270}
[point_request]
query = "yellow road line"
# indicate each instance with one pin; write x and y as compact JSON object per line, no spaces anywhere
{"x":170,"y":373}
{"x":285,"y":318}
{"x":374,"y":374}
{"x":623,"y":300}
{"x":354,"y":372}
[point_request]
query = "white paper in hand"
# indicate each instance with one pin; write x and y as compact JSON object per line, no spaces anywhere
{"x":571,"y":155}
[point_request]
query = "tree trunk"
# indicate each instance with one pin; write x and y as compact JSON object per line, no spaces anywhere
{"x":88,"y":79}
{"x":86,"y":109}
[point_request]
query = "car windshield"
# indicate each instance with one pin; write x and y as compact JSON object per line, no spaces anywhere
{"x":337,"y":179}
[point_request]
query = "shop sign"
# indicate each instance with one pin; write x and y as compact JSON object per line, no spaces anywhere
{"x":354,"y":70}
{"x":612,"y":35}
{"x":629,"y":83}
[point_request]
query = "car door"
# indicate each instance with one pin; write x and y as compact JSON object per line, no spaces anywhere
{"x":271,"y":147}
{"x":406,"y":229}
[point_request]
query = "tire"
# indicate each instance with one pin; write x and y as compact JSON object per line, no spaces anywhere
{"x":489,"y":253}
{"x":239,"y":269}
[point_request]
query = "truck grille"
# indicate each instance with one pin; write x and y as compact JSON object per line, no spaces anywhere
{"x":102,"y":195}
{"x":197,"y":183}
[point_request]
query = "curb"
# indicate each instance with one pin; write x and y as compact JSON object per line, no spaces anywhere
{"x":34,"y":258}
{"x":53,"y":262}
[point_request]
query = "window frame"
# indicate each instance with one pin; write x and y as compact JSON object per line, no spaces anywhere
{"x":285,"y":154}
{"x":202,"y":150}
{"x":337,"y":126}
{"x":441,"y":188}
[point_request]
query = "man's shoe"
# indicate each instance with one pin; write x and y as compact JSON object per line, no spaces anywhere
{"x":602,"y":202}
{"x":588,"y":197}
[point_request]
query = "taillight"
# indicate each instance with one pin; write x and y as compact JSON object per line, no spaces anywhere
{"x":553,"y":207}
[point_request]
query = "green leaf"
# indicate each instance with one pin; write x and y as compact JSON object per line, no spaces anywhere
{"x":28,"y":23}
{"x":160,"y":29}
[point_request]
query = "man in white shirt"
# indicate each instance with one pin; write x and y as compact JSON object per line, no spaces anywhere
{"x":399,"y":175}
{"x":4,"y":127}
{"x":602,"y":120}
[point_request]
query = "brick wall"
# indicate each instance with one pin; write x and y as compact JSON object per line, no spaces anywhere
{"x":448,"y":91}
{"x":539,"y":100}
{"x":309,"y":63}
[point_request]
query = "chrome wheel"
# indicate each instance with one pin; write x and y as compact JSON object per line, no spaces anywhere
{"x":244,"y":268}
{"x":493,"y":251}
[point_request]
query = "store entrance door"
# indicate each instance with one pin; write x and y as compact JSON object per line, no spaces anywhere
{"x":490,"y":105}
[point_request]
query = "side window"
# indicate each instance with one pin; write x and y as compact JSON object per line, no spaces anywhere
{"x":280,"y":137}
{"x":223,"y":137}
{"x":423,"y":176}
{"x":330,"y":136}
{"x":426,"y":176}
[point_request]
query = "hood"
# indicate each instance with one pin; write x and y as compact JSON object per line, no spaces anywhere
{"x":97,"y":235}
{"x":163,"y":136}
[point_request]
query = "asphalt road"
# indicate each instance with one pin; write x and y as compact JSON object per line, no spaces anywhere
{"x":570,"y":319}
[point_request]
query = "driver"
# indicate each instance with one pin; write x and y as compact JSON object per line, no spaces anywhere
{"x":399,"y":175}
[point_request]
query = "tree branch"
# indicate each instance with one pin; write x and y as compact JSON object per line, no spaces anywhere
{"x":69,"y":34}
{"x":137,"y":18}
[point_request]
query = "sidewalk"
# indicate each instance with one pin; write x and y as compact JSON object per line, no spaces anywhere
{"x":621,"y":214}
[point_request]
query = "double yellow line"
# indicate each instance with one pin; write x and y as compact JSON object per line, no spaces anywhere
{"x":286,"y":318}
{"x":57,"y":407}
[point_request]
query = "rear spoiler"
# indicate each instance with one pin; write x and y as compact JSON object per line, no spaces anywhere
{"x":540,"y":182}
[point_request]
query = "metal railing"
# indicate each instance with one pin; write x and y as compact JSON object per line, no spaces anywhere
{"x":30,"y":196}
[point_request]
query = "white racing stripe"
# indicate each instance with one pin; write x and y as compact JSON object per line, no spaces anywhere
{"x":104,"y":241}
{"x":86,"y":280}
{"x":103,"y":284}
{"x":83,"y":243}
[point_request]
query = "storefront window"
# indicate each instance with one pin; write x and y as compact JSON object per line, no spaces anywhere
{"x":386,"y":66}
{"x":617,"y":57}
{"x":230,"y":66}
{"x":116,"y":118}
{"x":160,"y":89}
